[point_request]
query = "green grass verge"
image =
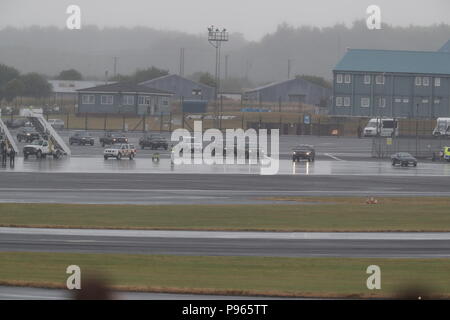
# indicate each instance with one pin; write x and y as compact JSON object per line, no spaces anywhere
{"x":307,"y":277}
{"x":328,"y":214}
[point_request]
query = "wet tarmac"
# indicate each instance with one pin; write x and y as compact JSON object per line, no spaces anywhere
{"x":164,"y":166}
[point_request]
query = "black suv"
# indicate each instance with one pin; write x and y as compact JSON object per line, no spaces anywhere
{"x":153,"y":142}
{"x":113,"y":138}
{"x":303,"y":151}
{"x":28,"y":135}
{"x":81,"y":138}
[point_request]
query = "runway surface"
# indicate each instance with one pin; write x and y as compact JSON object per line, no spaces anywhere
{"x":203,"y":189}
{"x":24,"y":293}
{"x":386,"y":245}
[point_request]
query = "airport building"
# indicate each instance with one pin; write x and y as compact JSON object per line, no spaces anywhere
{"x":124,"y":98}
{"x":386,"y":83}
{"x":290,"y":91}
{"x":182,"y":87}
{"x":67,"y":89}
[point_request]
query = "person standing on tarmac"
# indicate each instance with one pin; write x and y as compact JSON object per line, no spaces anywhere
{"x":3,"y":152}
{"x":12,"y":157}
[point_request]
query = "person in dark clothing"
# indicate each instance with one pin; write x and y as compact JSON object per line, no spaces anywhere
{"x":359,"y":132}
{"x":3,"y":152}
{"x":12,"y":157}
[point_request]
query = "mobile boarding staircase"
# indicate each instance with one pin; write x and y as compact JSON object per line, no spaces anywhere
{"x":4,"y":132}
{"x":46,"y":130}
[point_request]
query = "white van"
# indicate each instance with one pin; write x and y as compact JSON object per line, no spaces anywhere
{"x":381,"y":127}
{"x":442,"y":127}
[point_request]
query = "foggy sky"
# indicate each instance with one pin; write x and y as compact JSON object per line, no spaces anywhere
{"x":253,"y":18}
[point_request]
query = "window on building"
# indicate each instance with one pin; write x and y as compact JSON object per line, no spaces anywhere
{"x":437,"y":82}
{"x":144,"y":100}
{"x":365,"y":102}
{"x":379,"y":79}
{"x":437,"y":100}
{"x":348,"y":78}
{"x":128,"y":100}
{"x":398,"y":100}
{"x":425,"y":101}
{"x":426,"y":81}
{"x":405,"y":100}
{"x":418,"y":81}
{"x":367,"y":79}
{"x":381,"y":102}
{"x":346,"y":101}
{"x":338,"y":101}
{"x":339,"y":78}
{"x":107,"y":99}
{"x":88,"y":99}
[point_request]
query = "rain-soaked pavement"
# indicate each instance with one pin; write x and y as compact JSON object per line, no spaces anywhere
{"x":369,"y":167}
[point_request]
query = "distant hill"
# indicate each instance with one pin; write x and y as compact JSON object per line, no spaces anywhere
{"x":313,"y":51}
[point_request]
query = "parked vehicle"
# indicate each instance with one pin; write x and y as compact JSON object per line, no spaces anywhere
{"x":41,"y":149}
{"x":305,"y":152}
{"x":404,"y":159}
{"x":120,"y":151}
{"x":112,"y":138}
{"x":445,"y":153}
{"x":81,"y":138}
{"x":56,"y":123}
{"x":381,"y":127}
{"x":153,"y":142}
{"x":15,"y":123}
{"x":442,"y":127}
{"x":28,"y":134}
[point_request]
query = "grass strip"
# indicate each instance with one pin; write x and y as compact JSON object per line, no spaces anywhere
{"x":259,"y":276}
{"x":298,"y":214}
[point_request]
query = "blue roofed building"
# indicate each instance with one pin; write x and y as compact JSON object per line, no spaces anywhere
{"x":392,"y":83}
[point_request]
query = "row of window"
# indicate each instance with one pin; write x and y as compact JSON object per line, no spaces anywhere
{"x":380,"y":102}
{"x":380,"y":79}
{"x":367,"y":79}
{"x":425,"y":81}
{"x":127,"y":100}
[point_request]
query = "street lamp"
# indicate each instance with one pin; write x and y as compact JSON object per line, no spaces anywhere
{"x":215,"y":38}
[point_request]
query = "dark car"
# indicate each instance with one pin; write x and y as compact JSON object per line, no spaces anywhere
{"x":28,"y":135}
{"x":81,"y":138}
{"x":248,"y":150}
{"x":15,"y":123}
{"x":404,"y":159}
{"x":112,"y":138}
{"x":305,"y":152}
{"x":153,"y":142}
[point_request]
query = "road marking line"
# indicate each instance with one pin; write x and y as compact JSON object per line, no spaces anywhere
{"x":333,"y":157}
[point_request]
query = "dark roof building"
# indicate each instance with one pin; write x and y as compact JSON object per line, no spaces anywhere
{"x":182,"y":87}
{"x":392,"y":83}
{"x":124,"y":98}
{"x":294,"y":90}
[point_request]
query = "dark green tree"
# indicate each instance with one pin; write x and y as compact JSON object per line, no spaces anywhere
{"x":70,"y":74}
{"x":142,"y":75}
{"x":14,"y":88}
{"x":35,"y":85}
{"x":6,"y":74}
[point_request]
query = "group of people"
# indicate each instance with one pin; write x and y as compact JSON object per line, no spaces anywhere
{"x":6,"y":150}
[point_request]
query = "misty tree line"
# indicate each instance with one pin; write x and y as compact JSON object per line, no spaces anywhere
{"x":311,"y":51}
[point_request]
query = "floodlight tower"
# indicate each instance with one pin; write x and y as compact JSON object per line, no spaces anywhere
{"x":215,"y":38}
